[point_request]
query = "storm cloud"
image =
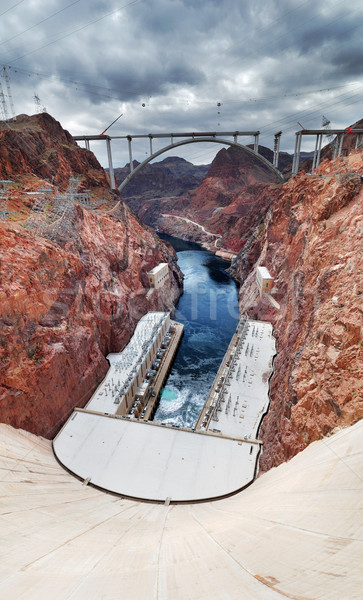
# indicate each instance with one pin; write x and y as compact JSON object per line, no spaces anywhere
{"x":185,"y":65}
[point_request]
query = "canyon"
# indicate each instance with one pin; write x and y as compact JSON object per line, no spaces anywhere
{"x":224,"y":203}
{"x":311,"y":242}
{"x":308,"y":233}
{"x":69,"y":298}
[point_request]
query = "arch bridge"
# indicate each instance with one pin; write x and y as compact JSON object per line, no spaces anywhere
{"x":229,"y":138}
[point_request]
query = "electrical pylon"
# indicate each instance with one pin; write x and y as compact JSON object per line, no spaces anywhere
{"x":10,"y":97}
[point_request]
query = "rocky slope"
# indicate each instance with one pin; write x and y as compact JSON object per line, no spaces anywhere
{"x":36,"y":147}
{"x":312,"y":245}
{"x":72,"y":295}
{"x":233,"y":197}
{"x":172,"y":176}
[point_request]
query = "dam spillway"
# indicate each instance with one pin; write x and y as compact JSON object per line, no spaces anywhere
{"x":296,"y":533}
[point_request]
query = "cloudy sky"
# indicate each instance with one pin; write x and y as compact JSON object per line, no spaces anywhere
{"x":185,"y":65}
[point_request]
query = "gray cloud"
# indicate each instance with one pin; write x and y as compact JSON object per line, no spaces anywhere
{"x":265,"y":62}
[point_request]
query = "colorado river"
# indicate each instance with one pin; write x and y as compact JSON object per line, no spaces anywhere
{"x":209,"y":311}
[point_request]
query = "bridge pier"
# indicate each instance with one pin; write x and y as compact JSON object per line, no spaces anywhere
{"x":129,"y":140}
{"x":255,"y":146}
{"x":151,"y":143}
{"x":276,"y":149}
{"x":318,"y":143}
{"x":358,"y":140}
{"x":86,"y":143}
{"x":319,"y":150}
{"x":340,"y":144}
{"x":296,"y":161}
{"x":110,"y":164}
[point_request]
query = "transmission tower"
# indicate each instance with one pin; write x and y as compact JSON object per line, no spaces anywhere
{"x":62,"y":210}
{"x":51,"y":214}
{"x":10,"y":97}
{"x":72,"y":188}
{"x":5,"y":188}
{"x":38,"y":106}
{"x":4,"y":110}
{"x":40,"y":215}
{"x":326,"y":124}
{"x":37,"y":103}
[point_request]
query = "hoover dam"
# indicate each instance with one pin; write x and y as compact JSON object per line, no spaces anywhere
{"x":294,"y":534}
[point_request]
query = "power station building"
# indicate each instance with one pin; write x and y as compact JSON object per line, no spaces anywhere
{"x":158,"y":275}
{"x":129,"y":369}
{"x":264,"y":280}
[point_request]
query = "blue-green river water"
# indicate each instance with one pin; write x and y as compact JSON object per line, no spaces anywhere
{"x":209,"y":311}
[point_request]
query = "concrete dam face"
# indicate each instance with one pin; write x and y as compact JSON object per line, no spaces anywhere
{"x":295,"y":533}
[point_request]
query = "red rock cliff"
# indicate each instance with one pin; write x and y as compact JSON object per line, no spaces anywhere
{"x":64,"y":308}
{"x":312,"y":245}
{"x":67,"y":301}
{"x":38,"y":147}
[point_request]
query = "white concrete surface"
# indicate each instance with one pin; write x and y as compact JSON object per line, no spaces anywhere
{"x":296,"y":533}
{"x":153,"y":462}
{"x":246,"y":399}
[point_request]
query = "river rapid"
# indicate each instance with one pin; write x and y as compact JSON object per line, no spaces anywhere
{"x":208,"y":310}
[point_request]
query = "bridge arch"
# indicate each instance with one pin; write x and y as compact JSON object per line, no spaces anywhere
{"x":195,"y":140}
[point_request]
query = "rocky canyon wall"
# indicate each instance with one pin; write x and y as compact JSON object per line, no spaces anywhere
{"x":74,"y":294}
{"x":36,"y":147}
{"x":311,"y":243}
{"x":65,"y":305}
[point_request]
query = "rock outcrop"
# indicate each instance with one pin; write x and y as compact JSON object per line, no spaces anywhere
{"x":74,"y":294}
{"x":172,"y":176}
{"x":312,"y":245}
{"x":36,"y":147}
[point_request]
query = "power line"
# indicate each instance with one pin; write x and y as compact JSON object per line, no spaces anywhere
{"x":291,"y":95}
{"x":46,"y":75}
{"x":309,"y":111}
{"x":291,"y":29}
{"x":268,"y":27}
{"x":40,"y":22}
{"x":72,"y":81}
{"x":77,"y":30}
{"x":11,"y":8}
